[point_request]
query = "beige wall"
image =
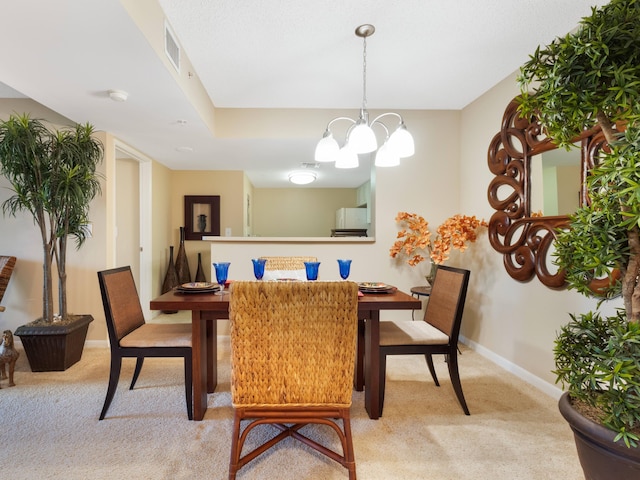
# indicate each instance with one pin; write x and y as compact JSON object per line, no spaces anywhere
{"x":426,"y":183}
{"x":301,"y":212}
{"x":512,"y":322}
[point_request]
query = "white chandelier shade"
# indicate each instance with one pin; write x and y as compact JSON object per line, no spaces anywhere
{"x":360,"y":137}
{"x":346,"y":158}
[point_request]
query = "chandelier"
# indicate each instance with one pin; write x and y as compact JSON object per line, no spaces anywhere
{"x":360,"y":137}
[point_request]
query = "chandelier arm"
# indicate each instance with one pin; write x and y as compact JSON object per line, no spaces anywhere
{"x":386,"y":130}
{"x":397,"y":115}
{"x":339,"y":118}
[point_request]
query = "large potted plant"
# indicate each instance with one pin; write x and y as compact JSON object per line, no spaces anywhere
{"x":53,"y":175}
{"x":591,"y":78}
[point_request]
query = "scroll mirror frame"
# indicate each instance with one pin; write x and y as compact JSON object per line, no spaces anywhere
{"x":525,"y":240}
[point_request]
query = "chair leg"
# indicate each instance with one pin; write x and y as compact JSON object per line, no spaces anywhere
{"x":236,"y":447}
{"x":455,"y":380}
{"x":432,"y":369}
{"x":382,"y":378}
{"x":188,"y":385}
{"x":136,"y":372}
{"x":349,"y":455}
{"x":114,"y":375}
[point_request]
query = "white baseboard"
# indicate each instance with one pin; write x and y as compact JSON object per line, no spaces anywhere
{"x":510,"y":367}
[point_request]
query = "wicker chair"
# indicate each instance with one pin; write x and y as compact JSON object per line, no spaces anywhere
{"x":437,"y":334}
{"x":130,"y":336}
{"x":292,"y":361}
{"x":6,"y":269}
{"x":286,"y":267}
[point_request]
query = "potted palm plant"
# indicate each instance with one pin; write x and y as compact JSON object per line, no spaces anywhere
{"x":591,"y":78}
{"x":53,"y":175}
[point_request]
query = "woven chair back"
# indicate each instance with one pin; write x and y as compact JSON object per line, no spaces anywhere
{"x":287,"y":263}
{"x":122,"y":304}
{"x":446,"y":302}
{"x":293,"y":343}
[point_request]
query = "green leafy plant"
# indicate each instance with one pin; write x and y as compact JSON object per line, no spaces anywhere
{"x":589,"y":78}
{"x":597,"y":359}
{"x":54,"y":177}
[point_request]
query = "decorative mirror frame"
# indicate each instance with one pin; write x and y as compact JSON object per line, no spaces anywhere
{"x":523,"y":239}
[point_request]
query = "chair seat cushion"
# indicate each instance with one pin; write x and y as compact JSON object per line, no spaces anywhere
{"x":406,"y":332}
{"x":159,"y":335}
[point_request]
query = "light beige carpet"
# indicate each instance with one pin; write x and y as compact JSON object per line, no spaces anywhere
{"x":50,"y":428}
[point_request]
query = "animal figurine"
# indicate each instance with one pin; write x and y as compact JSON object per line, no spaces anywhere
{"x":8,"y":356}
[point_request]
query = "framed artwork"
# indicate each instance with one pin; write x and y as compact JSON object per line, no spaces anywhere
{"x":201,"y":216}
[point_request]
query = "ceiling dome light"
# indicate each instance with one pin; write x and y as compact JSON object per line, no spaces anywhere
{"x":118,"y":95}
{"x":302,"y":178}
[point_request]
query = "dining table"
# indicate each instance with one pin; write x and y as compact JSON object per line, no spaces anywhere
{"x":208,"y":308}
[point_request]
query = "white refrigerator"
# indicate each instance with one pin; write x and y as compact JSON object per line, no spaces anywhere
{"x":351,"y":218}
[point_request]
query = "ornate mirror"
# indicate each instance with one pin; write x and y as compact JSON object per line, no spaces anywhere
{"x":520,"y":231}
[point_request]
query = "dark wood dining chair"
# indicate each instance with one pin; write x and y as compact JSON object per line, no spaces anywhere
{"x":292,"y":362}
{"x":130,"y":336}
{"x":436,"y":334}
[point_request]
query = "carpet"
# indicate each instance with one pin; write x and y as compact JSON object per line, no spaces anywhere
{"x":51,"y":430}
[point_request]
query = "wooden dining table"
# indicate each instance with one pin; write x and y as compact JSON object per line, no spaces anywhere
{"x":207,"y":308}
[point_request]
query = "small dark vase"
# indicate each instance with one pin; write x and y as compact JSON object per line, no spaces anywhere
{"x":170,"y":278}
{"x":601,"y":458}
{"x":182,"y":264}
{"x":202,"y":222}
{"x":200,"y":277}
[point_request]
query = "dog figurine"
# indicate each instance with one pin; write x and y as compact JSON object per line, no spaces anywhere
{"x":8,"y":356}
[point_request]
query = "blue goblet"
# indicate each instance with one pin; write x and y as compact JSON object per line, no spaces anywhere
{"x":258,"y":267}
{"x":345,"y":268}
{"x":222,"y":270}
{"x":312,"y":270}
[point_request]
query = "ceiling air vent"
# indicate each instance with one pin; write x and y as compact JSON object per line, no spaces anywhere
{"x":171,"y":47}
{"x":310,"y":165}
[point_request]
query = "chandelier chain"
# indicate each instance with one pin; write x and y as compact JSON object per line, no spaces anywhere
{"x":364,"y":73}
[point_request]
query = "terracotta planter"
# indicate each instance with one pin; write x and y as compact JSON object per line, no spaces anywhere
{"x":600,"y":457}
{"x":54,"y":348}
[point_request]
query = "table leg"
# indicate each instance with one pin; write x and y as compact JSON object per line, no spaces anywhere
{"x":358,"y":381}
{"x":212,"y":355}
{"x":199,"y":364}
{"x":372,"y":365}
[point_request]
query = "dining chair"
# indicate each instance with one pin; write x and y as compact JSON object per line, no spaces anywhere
{"x":131,"y":337}
{"x":286,"y":267}
{"x":436,"y":334}
{"x":7,"y":263}
{"x":292,"y":362}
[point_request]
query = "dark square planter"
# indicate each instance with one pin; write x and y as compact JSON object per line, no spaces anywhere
{"x":54,"y":348}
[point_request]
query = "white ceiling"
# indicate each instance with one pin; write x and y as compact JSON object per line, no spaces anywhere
{"x":298,"y":54}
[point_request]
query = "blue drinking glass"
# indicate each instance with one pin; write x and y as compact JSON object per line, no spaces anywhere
{"x":345,"y":268}
{"x":222,"y":270}
{"x":312,"y":270}
{"x":258,"y":267}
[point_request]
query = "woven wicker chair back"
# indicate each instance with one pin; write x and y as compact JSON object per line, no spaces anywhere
{"x":124,"y":304}
{"x":287,"y":263}
{"x":443,"y":308}
{"x":293,"y":343}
